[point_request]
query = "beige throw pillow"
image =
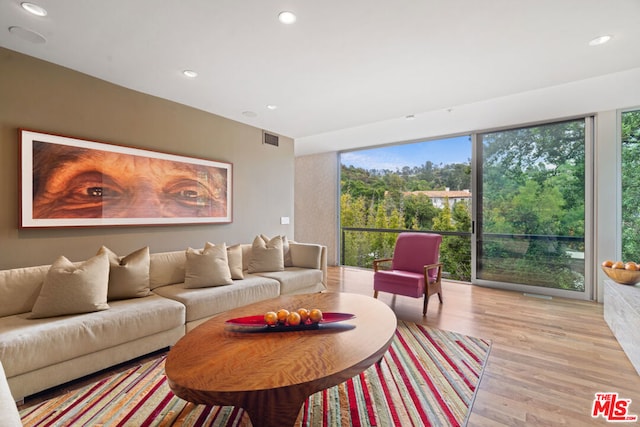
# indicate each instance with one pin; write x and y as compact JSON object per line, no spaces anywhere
{"x":266,"y":255}
{"x":234,"y":256}
{"x":167,"y":268}
{"x":129,"y":275}
{"x":286,"y":252}
{"x":207,"y":267}
{"x":70,"y":288}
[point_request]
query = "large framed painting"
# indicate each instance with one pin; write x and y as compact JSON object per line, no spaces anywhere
{"x":71,"y":182}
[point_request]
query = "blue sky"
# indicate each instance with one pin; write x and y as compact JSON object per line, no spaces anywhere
{"x":450,"y":150}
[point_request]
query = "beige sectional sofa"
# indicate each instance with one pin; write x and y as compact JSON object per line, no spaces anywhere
{"x":39,"y":353}
{"x":306,"y":272}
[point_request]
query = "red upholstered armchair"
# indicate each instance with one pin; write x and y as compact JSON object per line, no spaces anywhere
{"x":415,"y":270}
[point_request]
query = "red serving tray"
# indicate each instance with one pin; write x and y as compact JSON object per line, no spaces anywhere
{"x":257,"y":321}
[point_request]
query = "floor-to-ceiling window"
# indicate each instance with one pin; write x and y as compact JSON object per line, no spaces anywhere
{"x":420,"y":186}
{"x":513,"y":215}
{"x":531,"y":215}
{"x":630,"y":168}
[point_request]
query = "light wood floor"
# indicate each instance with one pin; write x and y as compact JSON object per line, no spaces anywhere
{"x":548,"y":357}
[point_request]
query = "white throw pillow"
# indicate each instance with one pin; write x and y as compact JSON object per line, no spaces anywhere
{"x":70,"y":288}
{"x":207,"y":267}
{"x":266,"y":255}
{"x":129,"y":275}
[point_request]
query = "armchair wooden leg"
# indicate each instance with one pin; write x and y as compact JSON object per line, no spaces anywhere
{"x":424,"y":305}
{"x":375,"y":294}
{"x":440,"y":296}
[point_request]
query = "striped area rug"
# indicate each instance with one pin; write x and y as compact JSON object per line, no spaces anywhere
{"x":428,"y":377}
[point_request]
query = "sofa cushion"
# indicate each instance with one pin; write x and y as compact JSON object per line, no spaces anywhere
{"x":128,"y":275}
{"x":266,"y":255}
{"x":306,"y":255}
{"x":206,"y":302}
{"x":295,"y":279}
{"x":207,"y":267}
{"x":70,"y":288}
{"x":19,"y":288}
{"x":167,"y":268}
{"x":28,"y":344}
{"x":234,"y":256}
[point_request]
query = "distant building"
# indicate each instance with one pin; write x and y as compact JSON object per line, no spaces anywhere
{"x":438,"y":197}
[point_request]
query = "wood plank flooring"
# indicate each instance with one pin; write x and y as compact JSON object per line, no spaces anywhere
{"x":548,"y":357}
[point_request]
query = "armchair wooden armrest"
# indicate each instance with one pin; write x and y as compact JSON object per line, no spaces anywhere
{"x":377,"y":262}
{"x":432,"y":286}
{"x":432,"y":266}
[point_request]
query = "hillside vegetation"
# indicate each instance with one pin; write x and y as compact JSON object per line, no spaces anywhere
{"x":531,"y":215}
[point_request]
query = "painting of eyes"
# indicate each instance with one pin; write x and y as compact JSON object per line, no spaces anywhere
{"x":71,"y":182}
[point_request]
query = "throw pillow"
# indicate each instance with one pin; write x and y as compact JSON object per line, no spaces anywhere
{"x":70,"y":288}
{"x":286,"y":252}
{"x":266,"y":256}
{"x":167,"y":268}
{"x":207,"y":267}
{"x":129,"y":275}
{"x":234,"y":256}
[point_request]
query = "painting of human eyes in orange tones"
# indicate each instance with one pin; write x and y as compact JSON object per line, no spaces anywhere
{"x":71,"y":182}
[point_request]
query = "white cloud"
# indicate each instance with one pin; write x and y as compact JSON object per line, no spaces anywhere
{"x":370,"y":161}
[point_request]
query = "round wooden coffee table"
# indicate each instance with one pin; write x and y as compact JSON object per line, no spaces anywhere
{"x":271,"y":374}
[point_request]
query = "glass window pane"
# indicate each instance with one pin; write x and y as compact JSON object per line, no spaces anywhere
{"x":630,"y":185}
{"x":531,"y":214}
{"x":423,"y":186}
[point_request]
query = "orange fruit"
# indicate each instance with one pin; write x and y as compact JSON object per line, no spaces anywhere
{"x":271,"y":318}
{"x":608,"y":263}
{"x":618,"y":264}
{"x":293,"y":319}
{"x":282,"y":315}
{"x":304,"y":314}
{"x":632,"y":266}
{"x":315,"y":315}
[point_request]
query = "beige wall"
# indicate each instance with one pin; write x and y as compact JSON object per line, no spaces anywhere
{"x":42,"y":96}
{"x":316,"y":201}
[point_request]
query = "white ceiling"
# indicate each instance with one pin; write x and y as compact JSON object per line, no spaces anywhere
{"x":343,"y":64}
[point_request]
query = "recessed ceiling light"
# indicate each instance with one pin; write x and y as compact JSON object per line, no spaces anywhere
{"x":287,"y":17}
{"x":34,"y":9}
{"x":272,"y":107}
{"x":28,"y":35}
{"x":190,"y":73}
{"x":599,"y":40}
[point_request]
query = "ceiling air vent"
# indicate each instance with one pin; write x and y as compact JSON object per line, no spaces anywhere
{"x":269,"y":138}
